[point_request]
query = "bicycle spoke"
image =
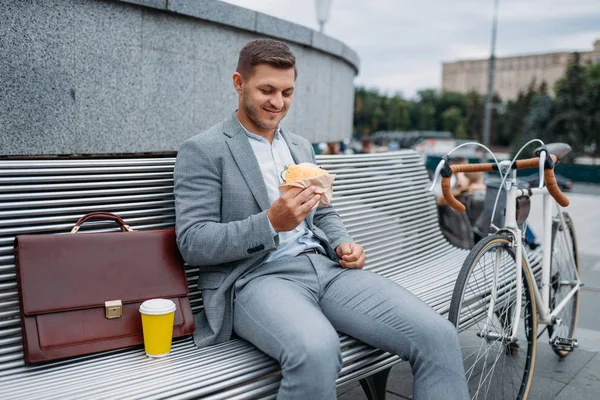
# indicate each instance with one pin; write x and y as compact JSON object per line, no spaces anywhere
{"x":494,"y":366}
{"x":491,"y":370}
{"x":563,"y":271}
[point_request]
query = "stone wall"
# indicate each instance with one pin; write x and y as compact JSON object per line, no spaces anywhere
{"x":99,"y":76}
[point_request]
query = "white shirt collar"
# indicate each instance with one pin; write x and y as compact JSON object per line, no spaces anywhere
{"x":258,"y":137}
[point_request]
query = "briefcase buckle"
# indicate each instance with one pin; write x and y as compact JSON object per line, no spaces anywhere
{"x":114,"y":309}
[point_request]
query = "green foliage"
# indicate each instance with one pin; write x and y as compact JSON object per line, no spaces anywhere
{"x":453,"y":120}
{"x":568,"y":120}
{"x":572,"y":115}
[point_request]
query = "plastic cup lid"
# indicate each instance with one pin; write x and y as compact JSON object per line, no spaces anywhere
{"x":157,"y":307}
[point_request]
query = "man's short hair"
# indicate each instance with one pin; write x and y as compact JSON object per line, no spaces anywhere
{"x":265,"y":51}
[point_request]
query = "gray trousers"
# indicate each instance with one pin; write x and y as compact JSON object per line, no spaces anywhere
{"x":291,"y":309}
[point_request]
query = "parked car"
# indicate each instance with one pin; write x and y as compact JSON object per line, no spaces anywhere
{"x":565,"y":184}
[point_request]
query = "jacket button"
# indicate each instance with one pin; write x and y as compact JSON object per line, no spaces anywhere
{"x":255,"y":249}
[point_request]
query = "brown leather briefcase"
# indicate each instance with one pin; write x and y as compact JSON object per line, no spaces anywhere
{"x":80,"y":293}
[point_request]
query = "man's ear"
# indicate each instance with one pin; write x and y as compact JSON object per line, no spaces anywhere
{"x":238,"y":81}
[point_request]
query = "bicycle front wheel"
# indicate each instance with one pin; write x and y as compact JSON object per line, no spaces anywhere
{"x":564,"y":266}
{"x":495,"y":366}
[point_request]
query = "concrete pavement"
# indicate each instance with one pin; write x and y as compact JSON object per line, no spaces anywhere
{"x":578,"y":375}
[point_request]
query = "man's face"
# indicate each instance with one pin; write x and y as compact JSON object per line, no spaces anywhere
{"x":266,"y":96}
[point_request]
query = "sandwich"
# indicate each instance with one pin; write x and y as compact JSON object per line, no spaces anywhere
{"x":297,"y":172}
{"x":304,"y":175}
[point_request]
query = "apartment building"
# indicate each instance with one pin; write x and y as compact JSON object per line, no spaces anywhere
{"x":513,"y":74}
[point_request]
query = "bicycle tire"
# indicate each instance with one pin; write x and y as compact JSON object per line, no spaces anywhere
{"x":561,"y":266}
{"x":468,"y":309}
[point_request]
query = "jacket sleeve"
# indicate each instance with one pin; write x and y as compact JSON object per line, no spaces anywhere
{"x":201,"y":236}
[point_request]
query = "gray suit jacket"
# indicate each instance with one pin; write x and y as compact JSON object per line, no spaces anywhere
{"x":221,"y":205}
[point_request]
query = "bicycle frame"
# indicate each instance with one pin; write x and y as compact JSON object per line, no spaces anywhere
{"x":546,"y":315}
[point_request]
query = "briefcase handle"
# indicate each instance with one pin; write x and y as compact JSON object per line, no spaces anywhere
{"x":101,"y":216}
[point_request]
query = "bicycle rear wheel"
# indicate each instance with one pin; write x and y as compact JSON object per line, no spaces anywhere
{"x":495,"y":367}
{"x":563,"y":264}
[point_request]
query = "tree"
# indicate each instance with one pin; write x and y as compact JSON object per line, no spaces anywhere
{"x":510,"y":130}
{"x":425,"y":110}
{"x":454,"y":121}
{"x":572,"y":116}
{"x":535,"y":124}
{"x":474,"y":115}
{"x":569,"y":121}
{"x":591,"y":107}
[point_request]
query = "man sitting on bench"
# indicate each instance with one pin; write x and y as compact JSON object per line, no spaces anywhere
{"x":282,"y":275}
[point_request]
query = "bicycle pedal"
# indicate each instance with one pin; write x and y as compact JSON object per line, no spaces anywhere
{"x":564,"y":344}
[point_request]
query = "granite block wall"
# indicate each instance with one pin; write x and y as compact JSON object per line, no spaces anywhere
{"x":100,"y":76}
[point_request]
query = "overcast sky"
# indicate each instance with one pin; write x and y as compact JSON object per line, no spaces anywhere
{"x":401,"y":43}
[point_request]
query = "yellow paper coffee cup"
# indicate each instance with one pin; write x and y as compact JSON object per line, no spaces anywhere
{"x":158,"y":316}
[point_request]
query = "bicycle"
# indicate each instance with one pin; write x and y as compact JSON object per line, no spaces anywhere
{"x":497,"y":302}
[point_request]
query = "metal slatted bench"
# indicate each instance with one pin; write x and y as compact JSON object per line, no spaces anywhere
{"x":382,"y":199}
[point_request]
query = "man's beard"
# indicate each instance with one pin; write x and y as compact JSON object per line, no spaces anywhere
{"x":253,"y":114}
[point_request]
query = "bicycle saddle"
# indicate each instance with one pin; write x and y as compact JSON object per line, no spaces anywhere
{"x":558,"y":149}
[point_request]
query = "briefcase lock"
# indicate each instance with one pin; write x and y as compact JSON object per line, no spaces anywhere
{"x":114,"y":309}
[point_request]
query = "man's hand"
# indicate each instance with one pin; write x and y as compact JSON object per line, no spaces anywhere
{"x":351,"y":255}
{"x":292,"y":207}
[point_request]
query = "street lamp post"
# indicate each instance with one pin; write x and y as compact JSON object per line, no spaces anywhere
{"x":491,"y":70}
{"x":323,"y":7}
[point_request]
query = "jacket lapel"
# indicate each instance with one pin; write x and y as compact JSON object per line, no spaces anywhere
{"x":297,"y":154}
{"x":246,"y":161}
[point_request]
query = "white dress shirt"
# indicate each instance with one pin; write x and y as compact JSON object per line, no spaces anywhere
{"x":272,"y":158}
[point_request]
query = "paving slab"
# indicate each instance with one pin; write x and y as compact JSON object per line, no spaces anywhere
{"x":549,"y":366}
{"x":544,"y":388}
{"x":400,"y":385}
{"x":400,"y":381}
{"x":585,"y":385}
{"x":357,"y":394}
{"x":347,"y":388}
{"x":588,"y":310}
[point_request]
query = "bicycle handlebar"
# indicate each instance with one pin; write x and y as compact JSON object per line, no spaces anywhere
{"x":549,"y":177}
